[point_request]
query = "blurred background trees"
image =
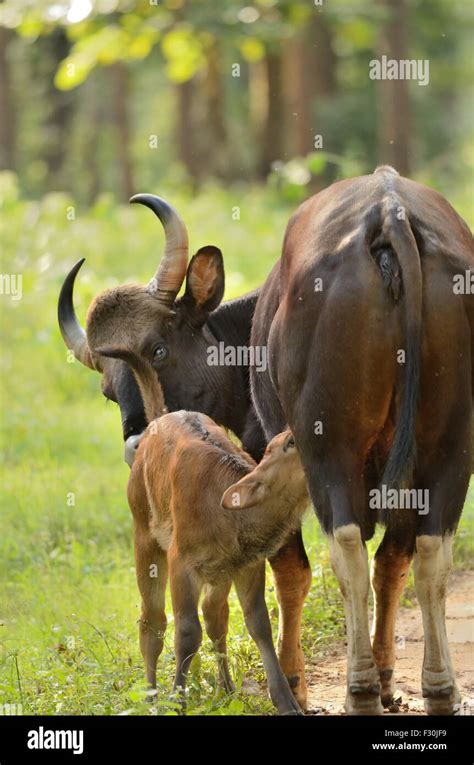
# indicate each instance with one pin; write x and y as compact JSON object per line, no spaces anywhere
{"x":119,"y":96}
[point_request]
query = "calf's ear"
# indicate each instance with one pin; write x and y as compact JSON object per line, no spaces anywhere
{"x":245,"y":493}
{"x":204,"y":284}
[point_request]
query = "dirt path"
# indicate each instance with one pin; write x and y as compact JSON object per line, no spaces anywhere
{"x":327,"y":678}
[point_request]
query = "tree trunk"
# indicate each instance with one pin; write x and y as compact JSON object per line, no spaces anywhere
{"x":258,"y":106}
{"x":215,"y":127}
{"x":56,"y":47}
{"x":323,"y":61}
{"x":309,"y":76}
{"x":393,"y":99}
{"x":122,"y":125}
{"x":299,"y":127}
{"x":186,"y":129}
{"x":271,"y":147}
{"x":94,"y":110}
{"x":7,"y":121}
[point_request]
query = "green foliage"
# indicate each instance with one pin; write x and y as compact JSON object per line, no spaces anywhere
{"x":69,"y":601}
{"x":166,"y":43}
{"x":294,"y":180}
{"x":104,"y":47}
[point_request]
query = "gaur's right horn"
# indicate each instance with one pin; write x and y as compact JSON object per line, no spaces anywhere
{"x":171,"y":270}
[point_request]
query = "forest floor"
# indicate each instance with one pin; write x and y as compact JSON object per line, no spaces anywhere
{"x":327,"y":679}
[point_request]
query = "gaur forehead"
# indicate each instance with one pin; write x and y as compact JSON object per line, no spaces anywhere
{"x":116,"y":312}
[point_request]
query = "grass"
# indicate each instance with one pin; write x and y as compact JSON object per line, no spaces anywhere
{"x":69,"y":602}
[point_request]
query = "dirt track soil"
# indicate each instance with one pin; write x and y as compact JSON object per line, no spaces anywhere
{"x":326,"y":679}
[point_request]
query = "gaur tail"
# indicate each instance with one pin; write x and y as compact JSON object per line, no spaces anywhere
{"x":400,"y":464}
{"x":146,"y":377}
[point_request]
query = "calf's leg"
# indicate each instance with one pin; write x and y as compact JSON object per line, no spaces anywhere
{"x":152,"y":573}
{"x":250,"y":586}
{"x":215,"y":609}
{"x":188,"y":632}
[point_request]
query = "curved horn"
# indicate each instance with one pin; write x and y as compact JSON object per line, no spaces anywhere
{"x":171,"y":271}
{"x":72,"y":332}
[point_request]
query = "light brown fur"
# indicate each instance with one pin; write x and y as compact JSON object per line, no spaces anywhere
{"x":213,"y":516}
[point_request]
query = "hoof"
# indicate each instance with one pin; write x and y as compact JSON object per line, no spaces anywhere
{"x":287,"y":704}
{"x":363,"y":695}
{"x":363,"y":704}
{"x":297,"y":684}
{"x":292,"y":665}
{"x":440,"y":694}
{"x":358,"y":689}
{"x":388,"y":700}
{"x":441,"y":703}
{"x":387,"y":692}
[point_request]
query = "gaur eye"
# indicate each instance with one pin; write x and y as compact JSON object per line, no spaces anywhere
{"x":160,"y":352}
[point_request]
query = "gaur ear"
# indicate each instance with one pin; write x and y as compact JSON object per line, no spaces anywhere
{"x":245,"y":493}
{"x":204,"y":283}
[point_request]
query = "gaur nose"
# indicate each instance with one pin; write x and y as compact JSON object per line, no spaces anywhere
{"x":131,"y":446}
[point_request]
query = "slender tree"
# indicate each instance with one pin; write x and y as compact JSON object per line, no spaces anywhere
{"x":215,"y":128}
{"x":297,"y":88}
{"x":186,"y":129}
{"x":272,"y":136}
{"x":7,"y":105}
{"x":121,"y":98}
{"x":52,"y":49}
{"x":393,"y":97}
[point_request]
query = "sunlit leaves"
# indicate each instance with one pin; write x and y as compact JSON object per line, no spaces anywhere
{"x":252,"y":49}
{"x":354,"y":35}
{"x":184,"y":54}
{"x":104,"y":47}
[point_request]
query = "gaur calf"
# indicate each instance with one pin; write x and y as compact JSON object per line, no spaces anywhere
{"x":206,"y":516}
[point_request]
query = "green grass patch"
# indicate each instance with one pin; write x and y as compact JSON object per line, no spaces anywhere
{"x":68,"y":600}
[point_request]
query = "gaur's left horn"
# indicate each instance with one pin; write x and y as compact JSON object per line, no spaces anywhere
{"x":171,"y":271}
{"x":72,"y":332}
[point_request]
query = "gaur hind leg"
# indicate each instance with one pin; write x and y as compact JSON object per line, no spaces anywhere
{"x":292,"y":577}
{"x":389,"y":572}
{"x":250,"y":586}
{"x":433,"y":561}
{"x":350,"y":564}
{"x":446,"y":480}
{"x":215,"y":609}
{"x":152,"y":574}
